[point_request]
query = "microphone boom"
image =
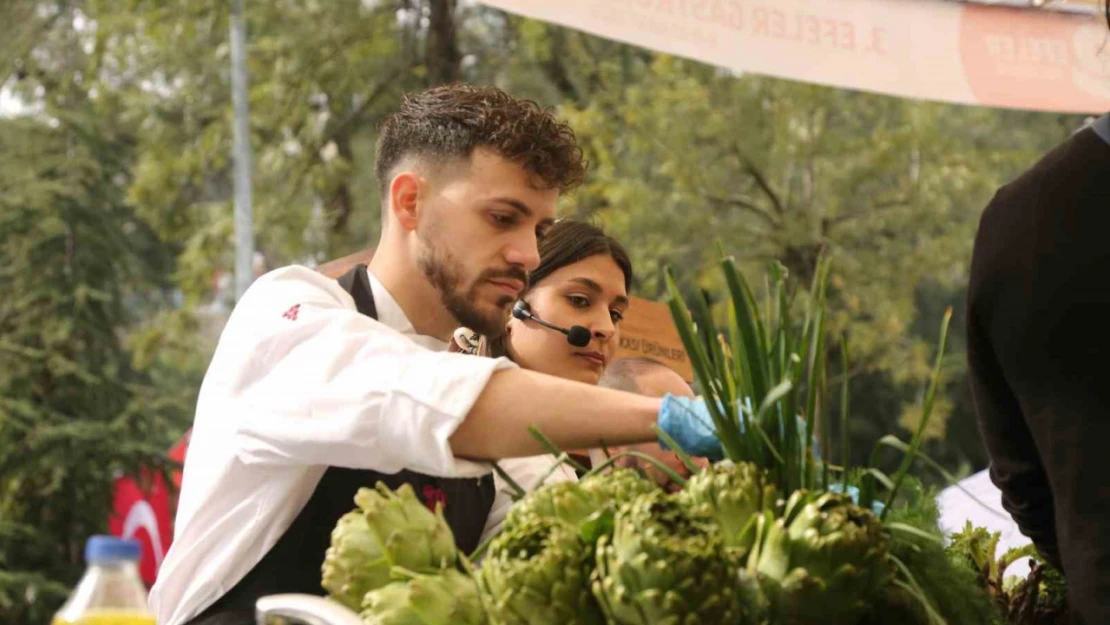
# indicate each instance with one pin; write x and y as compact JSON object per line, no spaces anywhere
{"x":577,"y":336}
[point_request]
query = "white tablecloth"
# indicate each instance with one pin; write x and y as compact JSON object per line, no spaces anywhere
{"x":957,"y":508}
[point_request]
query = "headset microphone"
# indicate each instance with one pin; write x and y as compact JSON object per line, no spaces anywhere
{"x":576,"y":335}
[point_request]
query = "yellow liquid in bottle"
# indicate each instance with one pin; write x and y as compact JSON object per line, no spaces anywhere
{"x":109,"y":617}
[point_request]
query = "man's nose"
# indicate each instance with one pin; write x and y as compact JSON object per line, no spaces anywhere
{"x":524,"y":252}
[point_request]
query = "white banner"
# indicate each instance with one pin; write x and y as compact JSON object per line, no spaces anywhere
{"x":923,"y":49}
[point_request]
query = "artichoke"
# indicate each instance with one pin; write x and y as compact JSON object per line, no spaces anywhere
{"x":823,"y":561}
{"x":618,"y":486}
{"x":733,"y":495}
{"x":664,"y":565}
{"x":446,"y":598}
{"x":537,"y":573}
{"x":568,"y":502}
{"x":387,"y":529}
{"x":355,"y":563}
{"x":411,"y":536}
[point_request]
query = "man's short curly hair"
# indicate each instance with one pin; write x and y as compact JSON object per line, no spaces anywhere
{"x":448,"y":122}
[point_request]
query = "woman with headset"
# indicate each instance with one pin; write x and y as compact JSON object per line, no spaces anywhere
{"x":567,"y":324}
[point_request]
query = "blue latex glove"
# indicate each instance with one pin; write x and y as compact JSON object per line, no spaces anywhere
{"x":687,"y":421}
{"x":876,"y":506}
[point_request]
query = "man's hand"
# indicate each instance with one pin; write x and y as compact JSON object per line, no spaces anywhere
{"x":668,"y":458}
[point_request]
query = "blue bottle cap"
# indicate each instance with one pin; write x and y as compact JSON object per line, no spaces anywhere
{"x":101,"y":549}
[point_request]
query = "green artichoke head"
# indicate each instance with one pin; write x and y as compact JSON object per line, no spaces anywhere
{"x":445,"y":598}
{"x":733,"y":495}
{"x":568,"y":502}
{"x":618,"y":486}
{"x":412,"y":536}
{"x":823,"y":561}
{"x":537,"y":573}
{"x":664,"y":565}
{"x":355,"y":563}
{"x":976,"y":547}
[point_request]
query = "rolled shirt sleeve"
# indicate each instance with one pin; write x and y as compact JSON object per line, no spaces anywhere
{"x":309,"y":380}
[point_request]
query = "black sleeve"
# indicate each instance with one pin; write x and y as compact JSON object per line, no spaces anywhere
{"x":1015,"y":463}
{"x":1039,"y":358}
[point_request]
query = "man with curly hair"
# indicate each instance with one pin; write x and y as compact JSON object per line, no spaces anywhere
{"x":320,"y":387}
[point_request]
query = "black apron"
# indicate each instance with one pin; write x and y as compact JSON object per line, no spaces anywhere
{"x":293,"y":564}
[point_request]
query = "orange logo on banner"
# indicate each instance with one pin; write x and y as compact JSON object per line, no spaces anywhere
{"x":1013,"y":58}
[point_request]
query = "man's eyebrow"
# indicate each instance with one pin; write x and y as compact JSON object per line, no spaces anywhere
{"x":517,"y":204}
{"x":621,"y":300}
{"x":523,"y":209}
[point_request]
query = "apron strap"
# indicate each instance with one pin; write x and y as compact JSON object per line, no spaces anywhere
{"x":357,"y":283}
{"x":1102,"y":127}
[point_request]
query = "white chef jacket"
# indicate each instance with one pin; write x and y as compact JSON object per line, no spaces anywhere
{"x":301,"y":380}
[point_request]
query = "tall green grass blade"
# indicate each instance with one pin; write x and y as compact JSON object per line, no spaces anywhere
{"x":881,"y":478}
{"x":554,"y":449}
{"x":826,"y":432}
{"x":670,"y":473}
{"x":926,"y":412}
{"x":727,"y":432}
{"x":771,"y":404}
{"x":845,"y":437}
{"x":920,"y":533}
{"x":741,"y":372}
{"x":911,"y":586}
{"x":813,"y":387}
{"x":687,"y":461}
{"x":518,"y":490}
{"x":718,"y":366}
{"x":753,"y":348}
{"x":561,"y":459}
{"x":892,"y":441}
{"x":867,"y":490}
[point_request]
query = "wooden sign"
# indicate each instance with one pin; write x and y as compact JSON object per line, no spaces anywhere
{"x":647,"y":330}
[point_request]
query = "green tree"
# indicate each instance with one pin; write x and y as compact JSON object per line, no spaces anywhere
{"x":75,"y":410}
{"x":84,"y":395}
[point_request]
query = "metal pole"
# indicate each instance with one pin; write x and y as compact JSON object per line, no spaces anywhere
{"x":244,"y":220}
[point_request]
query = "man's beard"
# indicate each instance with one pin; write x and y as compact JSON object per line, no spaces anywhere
{"x":444,"y":272}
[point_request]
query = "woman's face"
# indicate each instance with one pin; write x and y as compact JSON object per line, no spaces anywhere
{"x":589,"y":293}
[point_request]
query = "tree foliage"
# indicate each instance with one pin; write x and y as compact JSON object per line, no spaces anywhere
{"x":76,"y":408}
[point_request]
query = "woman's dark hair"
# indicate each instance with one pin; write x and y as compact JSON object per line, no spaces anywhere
{"x":569,"y":241}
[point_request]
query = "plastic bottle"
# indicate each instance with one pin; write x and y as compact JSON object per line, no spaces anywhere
{"x":111,"y":591}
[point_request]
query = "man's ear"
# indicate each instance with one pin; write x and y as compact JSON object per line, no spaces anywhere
{"x":404,"y":192}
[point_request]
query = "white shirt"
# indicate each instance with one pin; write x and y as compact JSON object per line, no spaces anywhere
{"x":301,"y":381}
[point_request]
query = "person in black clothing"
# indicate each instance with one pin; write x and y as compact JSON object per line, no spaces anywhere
{"x":1039,"y":357}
